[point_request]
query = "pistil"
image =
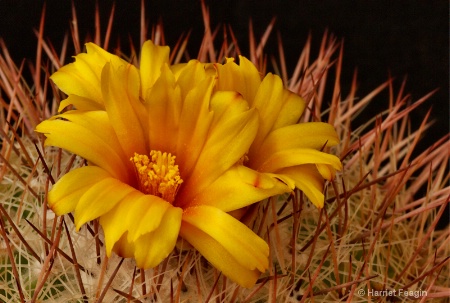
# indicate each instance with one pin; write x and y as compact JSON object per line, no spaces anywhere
{"x":158,"y":175}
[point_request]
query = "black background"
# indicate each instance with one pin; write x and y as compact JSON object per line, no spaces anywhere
{"x":401,"y":38}
{"x":381,"y":38}
{"x":405,"y":39}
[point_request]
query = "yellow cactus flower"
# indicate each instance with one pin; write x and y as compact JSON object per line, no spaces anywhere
{"x":283,"y":148}
{"x":171,"y":150}
{"x":154,"y":141}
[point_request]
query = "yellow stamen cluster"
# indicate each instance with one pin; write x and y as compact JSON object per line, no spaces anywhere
{"x":158,"y":175}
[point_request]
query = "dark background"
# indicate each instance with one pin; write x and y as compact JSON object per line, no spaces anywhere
{"x":405,"y":39}
{"x":401,"y":38}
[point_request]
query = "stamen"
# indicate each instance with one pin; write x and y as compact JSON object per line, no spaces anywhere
{"x":158,"y":175}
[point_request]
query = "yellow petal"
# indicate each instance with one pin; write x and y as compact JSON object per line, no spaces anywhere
{"x":251,"y":78}
{"x":226,"y":104}
{"x":164,"y":104}
{"x":151,"y":248}
{"x":144,"y":215}
{"x":291,"y":110}
{"x":249,"y":250}
{"x":298,"y":156}
{"x":153,"y":58}
{"x":233,"y":133}
{"x":114,"y":222}
{"x":228,"y":140}
{"x":80,"y":103}
{"x":192,"y":75}
{"x":66,"y":193}
{"x":98,"y":56}
{"x":308,"y":180}
{"x":243,"y":78}
{"x":123,"y":248}
{"x":120,"y":88}
{"x":218,"y":256}
{"x":239,"y":187}
{"x":82,"y":78}
{"x":99,"y":199}
{"x":93,"y":142}
{"x":304,"y":135}
{"x":178,"y":68}
{"x":268,"y":102}
{"x":96,"y":120}
{"x":314,"y":135}
{"x":194,"y":123}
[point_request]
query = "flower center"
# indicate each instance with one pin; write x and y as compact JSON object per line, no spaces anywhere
{"x":158,"y":175}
